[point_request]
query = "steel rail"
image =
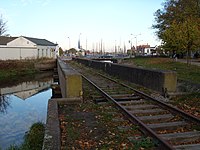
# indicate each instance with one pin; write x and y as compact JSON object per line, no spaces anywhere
{"x":163,"y":144}
{"x":162,"y":104}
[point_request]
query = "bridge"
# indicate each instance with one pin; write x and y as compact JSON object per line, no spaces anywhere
{"x":70,"y":82}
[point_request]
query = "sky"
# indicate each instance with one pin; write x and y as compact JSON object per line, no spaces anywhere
{"x":110,"y":22}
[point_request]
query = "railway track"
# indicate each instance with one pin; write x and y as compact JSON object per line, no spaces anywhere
{"x":171,"y":127}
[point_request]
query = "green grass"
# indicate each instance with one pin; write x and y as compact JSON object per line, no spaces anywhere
{"x":192,"y":100}
{"x":33,"y":140}
{"x":184,"y":72}
{"x":8,"y":74}
{"x":14,"y":70}
{"x":144,"y":142}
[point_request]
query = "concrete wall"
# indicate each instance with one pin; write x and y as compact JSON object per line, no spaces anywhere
{"x":157,"y":80}
{"x":70,"y":81}
{"x":12,"y":53}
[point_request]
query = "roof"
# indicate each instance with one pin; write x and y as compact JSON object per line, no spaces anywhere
{"x":41,"y":41}
{"x":143,"y":46}
{"x":5,"y":39}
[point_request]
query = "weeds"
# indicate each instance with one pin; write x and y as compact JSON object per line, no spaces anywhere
{"x":184,"y":72}
{"x":33,"y":140}
{"x":14,"y":69}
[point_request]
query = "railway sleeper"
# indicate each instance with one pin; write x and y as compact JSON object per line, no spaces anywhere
{"x":188,"y":147}
{"x":115,"y":89}
{"x":148,"y":111}
{"x":168,"y":125}
{"x":182,"y":137}
{"x":133,"y":102}
{"x":155,"y":118}
{"x":115,"y":92}
{"x":115,"y":96}
{"x":128,"y":98}
{"x":143,"y":106}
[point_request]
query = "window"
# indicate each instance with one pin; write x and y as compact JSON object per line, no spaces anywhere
{"x":38,"y":55}
{"x":46,"y":52}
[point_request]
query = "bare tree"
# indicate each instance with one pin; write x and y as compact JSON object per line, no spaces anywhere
{"x":3,"y":27}
{"x":4,"y":103}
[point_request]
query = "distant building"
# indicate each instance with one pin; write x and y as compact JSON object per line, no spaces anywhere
{"x":146,"y":50}
{"x":26,"y":48}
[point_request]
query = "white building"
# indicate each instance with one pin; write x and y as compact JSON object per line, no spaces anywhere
{"x":26,"y":48}
{"x":148,"y":51}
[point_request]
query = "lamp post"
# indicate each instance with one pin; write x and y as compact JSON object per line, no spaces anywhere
{"x":131,"y":52}
{"x":69,"y":41}
{"x":136,"y":41}
{"x":79,"y":41}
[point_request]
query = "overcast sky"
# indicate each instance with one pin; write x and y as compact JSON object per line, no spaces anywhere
{"x":109,"y":21}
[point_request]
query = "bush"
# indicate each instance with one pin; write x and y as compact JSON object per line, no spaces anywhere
{"x":33,"y":140}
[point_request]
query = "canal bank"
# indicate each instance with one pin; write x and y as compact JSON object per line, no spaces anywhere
{"x":21,"y":106}
{"x":15,"y":70}
{"x":24,"y":94}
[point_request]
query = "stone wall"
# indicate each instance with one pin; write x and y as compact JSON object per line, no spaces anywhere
{"x":158,"y":80}
{"x":70,"y":81}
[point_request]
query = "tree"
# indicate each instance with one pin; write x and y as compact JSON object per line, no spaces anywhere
{"x":61,"y":51}
{"x":178,"y":25}
{"x":72,"y":51}
{"x":3,"y":27}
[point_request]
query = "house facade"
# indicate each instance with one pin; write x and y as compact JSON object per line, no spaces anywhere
{"x":26,"y":48}
{"x":146,"y":50}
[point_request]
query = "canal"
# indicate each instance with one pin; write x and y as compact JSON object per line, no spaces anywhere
{"x":21,"y":105}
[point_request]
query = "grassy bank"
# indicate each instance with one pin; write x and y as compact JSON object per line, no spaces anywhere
{"x":33,"y":140}
{"x":13,"y":70}
{"x":188,"y":73}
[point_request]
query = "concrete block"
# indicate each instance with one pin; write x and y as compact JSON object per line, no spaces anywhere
{"x":73,"y":84}
{"x":70,"y":81}
{"x":170,"y":81}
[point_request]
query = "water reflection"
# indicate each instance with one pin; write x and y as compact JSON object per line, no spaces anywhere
{"x":4,"y":103}
{"x":21,"y":105}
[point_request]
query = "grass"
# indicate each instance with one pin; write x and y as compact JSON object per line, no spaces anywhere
{"x":184,"y":72}
{"x":33,"y":140}
{"x":14,"y":69}
{"x":189,"y":102}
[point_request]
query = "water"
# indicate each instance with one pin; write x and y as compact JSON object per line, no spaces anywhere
{"x":22,"y":105}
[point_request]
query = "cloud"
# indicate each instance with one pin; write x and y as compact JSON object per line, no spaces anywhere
{"x":26,"y":2}
{"x":39,"y":2}
{"x":43,"y":2}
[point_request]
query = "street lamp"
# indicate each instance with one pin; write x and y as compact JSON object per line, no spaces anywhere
{"x":69,"y":41}
{"x":131,"y":52}
{"x":79,"y":42}
{"x":131,"y":41}
{"x":136,"y":41}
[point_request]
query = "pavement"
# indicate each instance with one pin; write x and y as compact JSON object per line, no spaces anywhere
{"x":193,"y":61}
